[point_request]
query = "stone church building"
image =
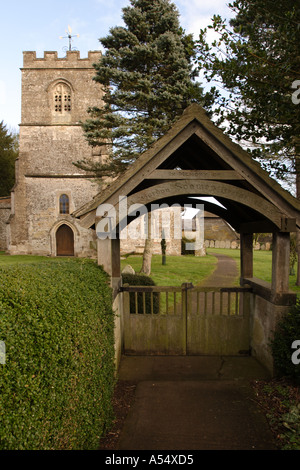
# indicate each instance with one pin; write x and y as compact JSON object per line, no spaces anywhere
{"x":56,"y":93}
{"x":37,"y":218}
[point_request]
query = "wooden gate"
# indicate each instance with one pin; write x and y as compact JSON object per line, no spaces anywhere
{"x":186,"y":320}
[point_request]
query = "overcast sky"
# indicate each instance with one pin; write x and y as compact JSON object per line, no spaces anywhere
{"x":36,"y":25}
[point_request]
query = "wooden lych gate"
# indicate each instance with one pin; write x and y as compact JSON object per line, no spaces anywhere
{"x":186,"y":320}
{"x":195,"y":159}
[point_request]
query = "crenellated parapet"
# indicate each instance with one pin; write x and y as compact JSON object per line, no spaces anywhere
{"x":51,"y":60}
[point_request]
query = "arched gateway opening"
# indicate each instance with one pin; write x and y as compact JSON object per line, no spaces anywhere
{"x":195,"y":159}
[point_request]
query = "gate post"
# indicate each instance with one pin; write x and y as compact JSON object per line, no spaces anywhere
{"x":126,"y":300}
{"x":185,"y":310}
{"x":184,"y":317}
{"x":109,"y":258}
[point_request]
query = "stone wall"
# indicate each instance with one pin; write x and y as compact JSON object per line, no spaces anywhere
{"x":264,"y":320}
{"x":169,"y":220}
{"x":235,"y":244}
{"x":219,"y":234}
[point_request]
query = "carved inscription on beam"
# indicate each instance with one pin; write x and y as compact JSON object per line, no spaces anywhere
{"x":195,"y":174}
{"x":207,"y":188}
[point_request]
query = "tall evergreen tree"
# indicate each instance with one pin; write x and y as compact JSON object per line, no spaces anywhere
{"x":8,"y":155}
{"x":256,"y":60}
{"x":148,"y":78}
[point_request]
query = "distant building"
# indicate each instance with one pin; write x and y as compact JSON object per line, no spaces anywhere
{"x":217,"y":232}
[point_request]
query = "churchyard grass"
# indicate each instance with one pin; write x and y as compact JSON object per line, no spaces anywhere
{"x":7,"y":260}
{"x":193,"y":269}
{"x":178,"y":269}
{"x":10,"y":260}
{"x":262,"y":265}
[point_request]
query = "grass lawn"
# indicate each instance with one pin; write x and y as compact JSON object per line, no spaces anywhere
{"x":262,"y":261}
{"x":178,"y":269}
{"x":262,"y":265}
{"x":8,"y":260}
{"x":193,"y":269}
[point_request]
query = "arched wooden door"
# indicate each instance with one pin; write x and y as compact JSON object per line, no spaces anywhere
{"x":64,"y":241}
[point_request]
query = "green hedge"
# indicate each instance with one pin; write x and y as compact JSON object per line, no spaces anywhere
{"x":184,"y":250}
{"x":57,"y":382}
{"x":287,"y":331}
{"x":141,"y":280}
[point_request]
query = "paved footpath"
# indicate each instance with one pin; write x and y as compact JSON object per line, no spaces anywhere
{"x":225,"y":274}
{"x":194,"y":402}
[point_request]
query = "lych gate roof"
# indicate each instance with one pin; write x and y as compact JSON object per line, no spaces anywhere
{"x":193,"y":159}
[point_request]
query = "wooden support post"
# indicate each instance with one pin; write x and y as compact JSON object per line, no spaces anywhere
{"x":280,"y":262}
{"x":115,"y":258}
{"x":246,"y":251}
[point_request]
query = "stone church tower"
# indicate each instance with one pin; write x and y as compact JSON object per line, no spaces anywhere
{"x":56,"y":93}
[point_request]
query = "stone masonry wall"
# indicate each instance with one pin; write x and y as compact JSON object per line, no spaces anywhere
{"x":134,"y":238}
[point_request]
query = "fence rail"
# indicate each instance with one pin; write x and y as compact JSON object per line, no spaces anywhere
{"x":170,"y":300}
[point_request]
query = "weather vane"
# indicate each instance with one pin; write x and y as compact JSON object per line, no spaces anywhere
{"x":69,"y":33}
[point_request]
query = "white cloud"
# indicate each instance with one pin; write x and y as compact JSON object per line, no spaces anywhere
{"x":195,"y":14}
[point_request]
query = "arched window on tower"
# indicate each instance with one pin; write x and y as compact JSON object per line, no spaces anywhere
{"x":64,"y":204}
{"x":62,"y":99}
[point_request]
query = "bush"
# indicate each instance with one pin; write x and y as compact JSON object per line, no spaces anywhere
{"x":287,"y":331}
{"x":141,"y":280}
{"x":184,"y":250}
{"x":56,"y":385}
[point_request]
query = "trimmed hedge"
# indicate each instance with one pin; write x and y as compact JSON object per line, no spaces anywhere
{"x":56,"y":385}
{"x":141,"y":280}
{"x":287,"y":331}
{"x":184,"y":250}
